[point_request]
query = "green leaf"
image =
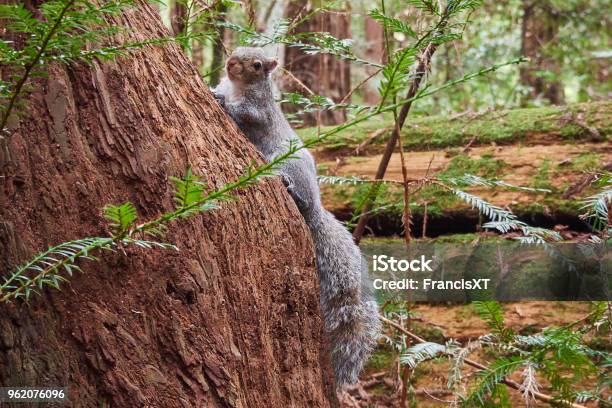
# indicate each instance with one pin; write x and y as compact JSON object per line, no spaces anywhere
{"x":393,"y":24}
{"x":490,"y":379}
{"x":396,"y":73}
{"x":122,"y":217}
{"x":430,"y":6}
{"x":492,"y":314}
{"x":188,"y":190}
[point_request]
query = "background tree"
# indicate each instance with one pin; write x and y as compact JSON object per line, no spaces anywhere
{"x":540,"y":27}
{"x":322,"y":74}
{"x":223,"y":322}
{"x":178,"y":16}
{"x":216,"y":62}
{"x":374,"y":51}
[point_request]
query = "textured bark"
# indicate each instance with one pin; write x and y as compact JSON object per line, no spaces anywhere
{"x":539,"y":28}
{"x":323,"y":74}
{"x":374,"y":51}
{"x":231,"y":320}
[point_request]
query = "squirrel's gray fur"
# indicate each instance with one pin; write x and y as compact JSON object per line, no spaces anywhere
{"x":349,"y":308}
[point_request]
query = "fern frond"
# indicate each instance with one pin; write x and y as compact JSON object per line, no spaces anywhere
{"x":529,"y":386}
{"x":46,"y":268}
{"x":421,"y":352}
{"x":471,"y":180}
{"x":457,"y":357}
{"x":188,"y":189}
{"x":143,"y":243}
{"x":430,"y":6}
{"x":598,"y":207}
{"x":325,"y":43}
{"x":457,"y":6}
{"x":339,"y":180}
{"x":505,"y":221}
{"x":491,"y":378}
{"x":278,"y":34}
{"x":396,"y":73}
{"x":493,"y":212}
{"x":121,"y":217}
{"x":492,"y":314}
{"x":393,"y":24}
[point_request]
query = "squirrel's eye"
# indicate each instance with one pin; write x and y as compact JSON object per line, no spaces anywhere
{"x":257,"y":65}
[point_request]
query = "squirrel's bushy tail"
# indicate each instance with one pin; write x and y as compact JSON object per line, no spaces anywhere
{"x":349,"y":308}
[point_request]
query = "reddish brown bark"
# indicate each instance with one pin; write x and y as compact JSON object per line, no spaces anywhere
{"x":374,"y":51}
{"x":230,"y":320}
{"x":323,"y":74}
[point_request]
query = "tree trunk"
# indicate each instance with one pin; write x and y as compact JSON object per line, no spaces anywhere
{"x":178,"y":16}
{"x":323,"y":74}
{"x":216,"y":63}
{"x":539,"y":28}
{"x":231,"y":320}
{"x":197,"y":55}
{"x":374,"y":51}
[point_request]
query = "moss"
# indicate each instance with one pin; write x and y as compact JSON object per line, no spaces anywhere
{"x":441,"y":202}
{"x":445,"y":239}
{"x":542,"y":177}
{"x":586,"y":161}
{"x":378,"y":240}
{"x":464,"y":238}
{"x":381,"y":359}
{"x":485,"y":166}
{"x":500,"y":127}
{"x":323,"y":167}
{"x":523,"y":123}
{"x":429,"y":333}
{"x":572,"y":131}
{"x":465,"y":313}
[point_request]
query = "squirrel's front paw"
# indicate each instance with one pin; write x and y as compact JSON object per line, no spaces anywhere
{"x":299,"y":201}
{"x":220,"y":98}
{"x":287,"y":182}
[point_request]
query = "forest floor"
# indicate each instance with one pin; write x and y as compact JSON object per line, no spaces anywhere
{"x":551,"y":148}
{"x":379,"y":385}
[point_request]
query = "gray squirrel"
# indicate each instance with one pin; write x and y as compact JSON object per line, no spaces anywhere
{"x":349,"y":309}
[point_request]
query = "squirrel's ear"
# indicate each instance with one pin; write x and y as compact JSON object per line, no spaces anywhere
{"x":271,"y":64}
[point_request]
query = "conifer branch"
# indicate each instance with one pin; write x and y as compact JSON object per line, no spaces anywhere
{"x":501,"y":379}
{"x":31,"y":64}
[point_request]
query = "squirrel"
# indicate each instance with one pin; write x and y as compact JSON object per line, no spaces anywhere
{"x":349,"y":308}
